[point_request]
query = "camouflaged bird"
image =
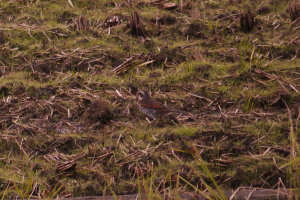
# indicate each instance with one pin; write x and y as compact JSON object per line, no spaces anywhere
{"x":151,"y":107}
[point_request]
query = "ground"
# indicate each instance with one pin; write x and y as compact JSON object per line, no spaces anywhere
{"x":70,"y":71}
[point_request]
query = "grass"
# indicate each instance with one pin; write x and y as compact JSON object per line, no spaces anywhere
{"x":70,"y":125}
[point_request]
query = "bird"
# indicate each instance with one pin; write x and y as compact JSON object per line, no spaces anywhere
{"x":151,"y":107}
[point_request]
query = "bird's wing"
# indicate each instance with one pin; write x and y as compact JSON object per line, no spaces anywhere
{"x":153,"y":104}
{"x":159,"y":106}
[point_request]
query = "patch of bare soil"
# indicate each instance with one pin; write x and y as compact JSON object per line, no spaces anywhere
{"x":98,"y":111}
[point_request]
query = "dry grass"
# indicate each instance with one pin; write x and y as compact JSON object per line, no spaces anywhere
{"x":70,"y":71}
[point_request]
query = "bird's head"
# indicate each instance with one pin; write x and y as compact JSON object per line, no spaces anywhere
{"x":143,"y":94}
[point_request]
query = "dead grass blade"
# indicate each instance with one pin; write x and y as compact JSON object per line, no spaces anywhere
{"x":136,"y":25}
{"x":294,"y":11}
{"x":246,"y":20}
{"x":81,"y":23}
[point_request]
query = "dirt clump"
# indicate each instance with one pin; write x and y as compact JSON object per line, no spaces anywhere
{"x":89,"y":190}
{"x":246,"y":20}
{"x":18,"y":89}
{"x":42,"y":67}
{"x":164,"y":20}
{"x":164,"y":88}
{"x":67,"y":17}
{"x":76,"y":82}
{"x":47,"y":91}
{"x":294,"y":11}
{"x":264,"y":10}
{"x":148,"y":43}
{"x":203,"y":70}
{"x":133,"y":89}
{"x":99,"y":111}
{"x":240,"y":177}
{"x":81,"y":23}
{"x":195,"y":30}
{"x":136,"y":25}
{"x":4,"y":90}
{"x":109,"y":4}
{"x":2,"y":38}
{"x":169,"y":55}
{"x":280,"y":100}
{"x":116,"y":58}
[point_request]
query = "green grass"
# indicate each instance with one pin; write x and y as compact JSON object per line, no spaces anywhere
{"x":83,"y":138}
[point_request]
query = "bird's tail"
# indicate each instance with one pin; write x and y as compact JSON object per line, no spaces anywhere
{"x":177,"y":111}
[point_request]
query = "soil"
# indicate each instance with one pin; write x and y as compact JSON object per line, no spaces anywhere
{"x":70,"y":76}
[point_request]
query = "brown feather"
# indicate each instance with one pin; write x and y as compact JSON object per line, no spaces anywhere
{"x":152,"y":107}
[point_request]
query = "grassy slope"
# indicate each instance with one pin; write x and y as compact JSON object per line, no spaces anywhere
{"x":63,"y":121}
